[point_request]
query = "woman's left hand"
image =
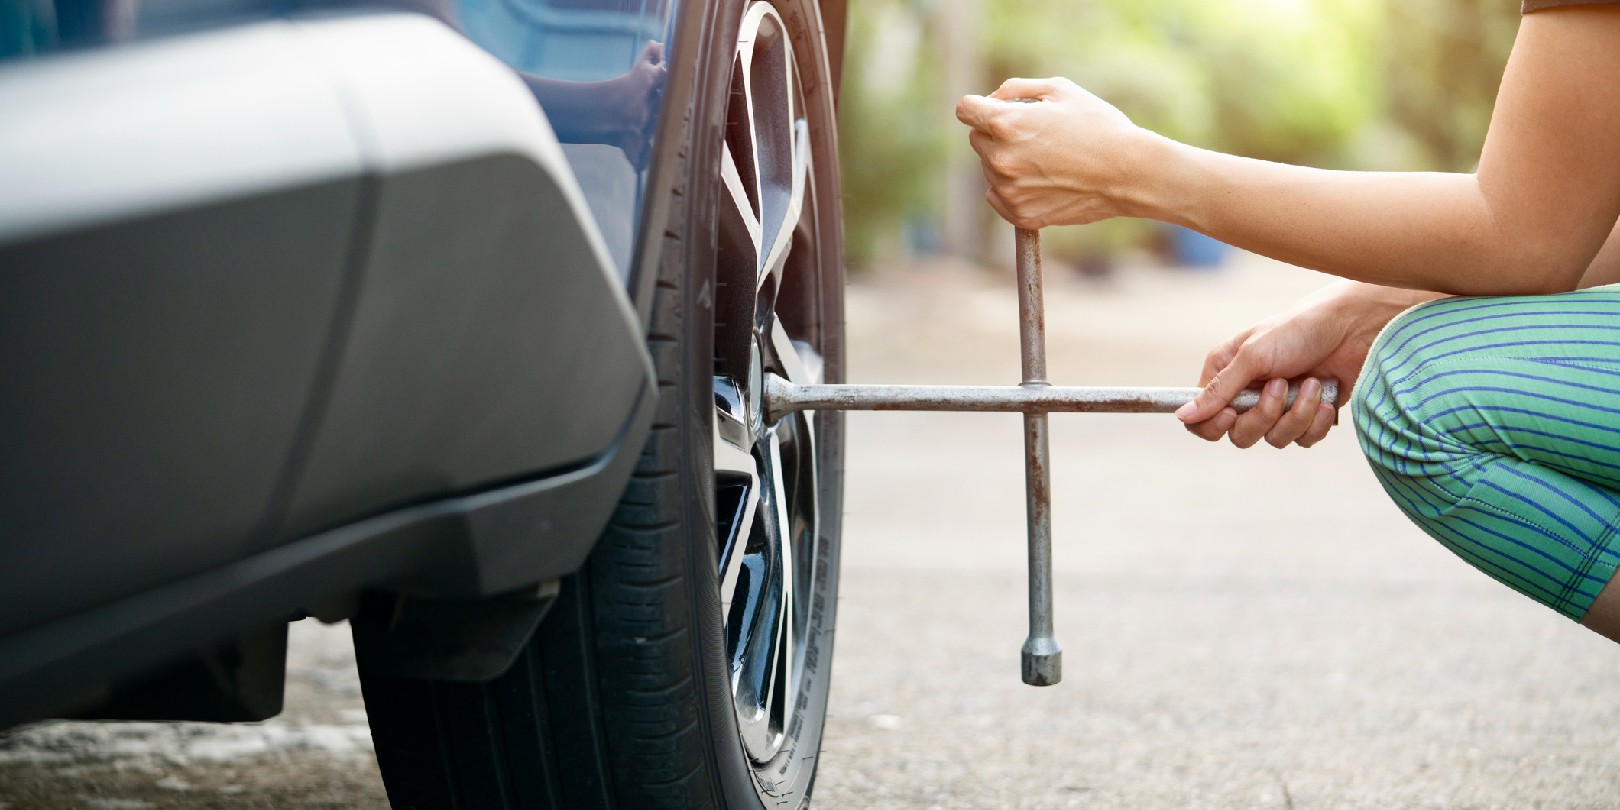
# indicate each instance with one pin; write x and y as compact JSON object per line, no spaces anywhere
{"x":1067,"y":160}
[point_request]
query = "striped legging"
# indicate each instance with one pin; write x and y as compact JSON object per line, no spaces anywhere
{"x":1494,"y":423}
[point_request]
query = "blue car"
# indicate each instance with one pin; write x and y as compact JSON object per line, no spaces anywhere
{"x":449,"y":319}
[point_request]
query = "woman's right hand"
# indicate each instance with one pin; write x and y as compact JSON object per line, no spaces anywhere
{"x":1326,"y":336}
{"x":1066,"y":160}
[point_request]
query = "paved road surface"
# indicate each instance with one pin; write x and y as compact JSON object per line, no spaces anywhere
{"x":1241,"y":629}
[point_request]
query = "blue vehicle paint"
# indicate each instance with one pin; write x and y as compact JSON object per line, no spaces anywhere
{"x":597,"y":68}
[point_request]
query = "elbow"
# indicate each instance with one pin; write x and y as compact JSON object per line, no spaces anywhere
{"x":1528,"y":267}
{"x":1546,"y":269}
{"x":1562,"y":284}
{"x":1526,"y":250}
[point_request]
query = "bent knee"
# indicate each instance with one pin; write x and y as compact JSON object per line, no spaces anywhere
{"x":1386,"y":426}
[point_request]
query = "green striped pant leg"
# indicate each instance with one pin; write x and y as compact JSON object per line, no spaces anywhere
{"x":1494,"y":423}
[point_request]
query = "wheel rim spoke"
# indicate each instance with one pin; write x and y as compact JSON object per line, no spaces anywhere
{"x":792,"y":355}
{"x":739,"y":221}
{"x":777,"y":133}
{"x":781,"y":224}
{"x":736,"y":484}
{"x":760,"y":665}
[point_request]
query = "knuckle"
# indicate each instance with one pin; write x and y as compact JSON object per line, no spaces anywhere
{"x":1242,"y":437}
{"x":1204,"y":432}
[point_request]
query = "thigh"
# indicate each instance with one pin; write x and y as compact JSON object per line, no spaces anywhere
{"x":1536,"y":378}
{"x":1495,"y":424}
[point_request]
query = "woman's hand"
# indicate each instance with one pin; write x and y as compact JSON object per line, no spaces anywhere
{"x":1325,"y":336}
{"x":1064,"y":161}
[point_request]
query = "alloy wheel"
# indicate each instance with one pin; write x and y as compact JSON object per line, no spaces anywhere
{"x":767,"y":320}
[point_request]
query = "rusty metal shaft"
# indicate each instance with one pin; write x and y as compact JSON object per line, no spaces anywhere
{"x":1042,"y":655}
{"x":783,"y":397}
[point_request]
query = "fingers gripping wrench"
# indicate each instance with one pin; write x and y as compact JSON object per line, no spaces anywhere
{"x":1035,"y":398}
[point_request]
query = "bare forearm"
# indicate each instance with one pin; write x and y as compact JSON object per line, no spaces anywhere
{"x":1546,"y":195}
{"x":1416,"y":230}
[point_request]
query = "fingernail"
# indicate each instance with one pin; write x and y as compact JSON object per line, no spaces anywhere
{"x":1276,"y":387}
{"x":1186,"y":410}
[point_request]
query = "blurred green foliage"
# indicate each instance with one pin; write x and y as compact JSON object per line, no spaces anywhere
{"x":1444,"y":62}
{"x":1388,"y":84}
{"x":891,"y":135}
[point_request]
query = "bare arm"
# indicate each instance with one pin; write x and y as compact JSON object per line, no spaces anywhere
{"x":1532,"y":218}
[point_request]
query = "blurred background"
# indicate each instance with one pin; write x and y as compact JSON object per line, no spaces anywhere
{"x":1352,"y":84}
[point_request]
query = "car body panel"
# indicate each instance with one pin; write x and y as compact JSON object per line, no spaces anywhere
{"x":594,"y":49}
{"x":405,"y":334}
{"x":146,"y":422}
{"x":161,"y":233}
{"x":489,"y":340}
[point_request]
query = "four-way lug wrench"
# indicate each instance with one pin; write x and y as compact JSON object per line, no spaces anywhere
{"x":1035,"y":398}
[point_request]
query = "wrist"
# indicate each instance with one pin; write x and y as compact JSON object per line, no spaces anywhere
{"x":1378,"y":297}
{"x":1365,"y":308}
{"x":1150,"y":181}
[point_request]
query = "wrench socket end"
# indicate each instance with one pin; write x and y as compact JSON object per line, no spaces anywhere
{"x":1043,"y":661}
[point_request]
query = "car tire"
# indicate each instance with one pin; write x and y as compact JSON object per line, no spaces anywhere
{"x":688,"y":663}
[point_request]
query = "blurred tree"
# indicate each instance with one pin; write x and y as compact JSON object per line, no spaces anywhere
{"x":891,"y":136}
{"x":1444,"y":63}
{"x":1291,"y":80}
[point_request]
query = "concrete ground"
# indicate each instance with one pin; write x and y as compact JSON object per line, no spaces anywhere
{"x":1241,"y":629}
